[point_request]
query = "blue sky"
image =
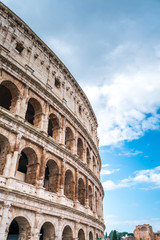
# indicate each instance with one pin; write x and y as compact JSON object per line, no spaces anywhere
{"x":112,"y":48}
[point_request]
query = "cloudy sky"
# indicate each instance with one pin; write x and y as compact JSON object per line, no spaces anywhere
{"x":112,"y":48}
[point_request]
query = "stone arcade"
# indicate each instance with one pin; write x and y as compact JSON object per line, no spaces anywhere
{"x":49,"y":161}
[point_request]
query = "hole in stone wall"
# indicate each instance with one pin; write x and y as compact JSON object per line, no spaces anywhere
{"x":5,"y":97}
{"x":81,"y":191}
{"x":57,"y":83}
{"x":69,"y":185}
{"x":80,"y":110}
{"x":80,"y":149}
{"x":23,"y":162}
{"x":90,"y":197}
{"x":67,"y":233}
{"x":34,"y":112}
{"x":30,"y":114}
{"x":69,"y":138}
{"x":51,"y":176}
{"x":19,"y":48}
{"x":4,"y":149}
{"x":81,"y":235}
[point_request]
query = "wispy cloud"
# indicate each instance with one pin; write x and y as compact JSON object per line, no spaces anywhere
{"x":130,"y":153}
{"x":149,"y":177}
{"x":106,"y":171}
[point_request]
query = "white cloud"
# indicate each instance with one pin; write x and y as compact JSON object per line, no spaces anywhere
{"x":149,"y":177}
{"x":105,"y":171}
{"x":126,"y":104}
{"x":108,"y":172}
{"x":130,"y":153}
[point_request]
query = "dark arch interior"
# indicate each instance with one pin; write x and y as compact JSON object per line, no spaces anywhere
{"x":41,"y":233}
{"x":13,"y":229}
{"x":50,"y":128}
{"x":5,"y":97}
{"x":30,"y":114}
{"x":23,"y":162}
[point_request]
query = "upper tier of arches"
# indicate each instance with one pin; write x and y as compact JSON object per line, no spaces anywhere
{"x":47,"y":119}
{"x":36,"y":59}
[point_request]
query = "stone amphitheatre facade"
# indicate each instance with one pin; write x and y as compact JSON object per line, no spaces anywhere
{"x":49,"y":161}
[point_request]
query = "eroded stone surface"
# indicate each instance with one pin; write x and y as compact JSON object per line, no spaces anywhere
{"x":49,"y":161}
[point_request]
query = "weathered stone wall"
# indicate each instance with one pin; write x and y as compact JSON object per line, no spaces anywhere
{"x":49,"y":160}
{"x":145,"y":232}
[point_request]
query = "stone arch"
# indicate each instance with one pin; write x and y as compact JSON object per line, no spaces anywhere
{"x":96,"y":202}
{"x":28,"y":166}
{"x":94,"y":165}
{"x":90,"y":197}
{"x":67,"y":233}
{"x":53,"y":126}
{"x":34,"y":112}
{"x":69,"y":185}
{"x":69,"y":138}
{"x":81,"y":191}
{"x":4,"y":150}
{"x":81,"y":235}
{"x":51,"y":176}
{"x":88,"y":157}
{"x":80,"y":148}
{"x":90,"y":235}
{"x":19,"y":229}
{"x":9,"y":94}
{"x":47,"y":231}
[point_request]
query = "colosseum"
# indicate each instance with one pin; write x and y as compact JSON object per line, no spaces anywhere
{"x":50,"y":185}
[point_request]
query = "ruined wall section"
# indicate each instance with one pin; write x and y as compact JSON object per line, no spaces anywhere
{"x":30,"y":54}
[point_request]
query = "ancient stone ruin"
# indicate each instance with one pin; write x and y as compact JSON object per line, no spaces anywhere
{"x":49,"y":161}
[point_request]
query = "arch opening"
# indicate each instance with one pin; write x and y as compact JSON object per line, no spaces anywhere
{"x":90,"y":197}
{"x":19,"y":229}
{"x":94,"y":165}
{"x":81,"y":235}
{"x":34,"y":112}
{"x":69,"y":185}
{"x":80,"y":148}
{"x":51,"y":176}
{"x":81,"y":191}
{"x":67,"y":233}
{"x":47,"y":232}
{"x":90,"y":236}
{"x":69,"y":138}
{"x":27,"y":166}
{"x":8,"y":95}
{"x":96,"y":202}
{"x":53,"y":126}
{"x":4,"y":150}
{"x":88,"y":157}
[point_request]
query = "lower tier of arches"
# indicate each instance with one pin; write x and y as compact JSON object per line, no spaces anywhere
{"x":26,"y":219}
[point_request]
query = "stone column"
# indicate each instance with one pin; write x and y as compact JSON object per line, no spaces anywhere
{"x":45,"y":119}
{"x":35,"y":235}
{"x":87,"y":194}
{"x":17,"y":107}
{"x":15,"y":156}
{"x":4,"y":220}
{"x":59,"y":233}
{"x":24,"y":103}
{"x":75,"y":232}
{"x":93,"y":201}
{"x":76,"y":188}
{"x":62,"y":132}
{"x":42,"y":168}
{"x":61,"y":189}
{"x":7,"y":165}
